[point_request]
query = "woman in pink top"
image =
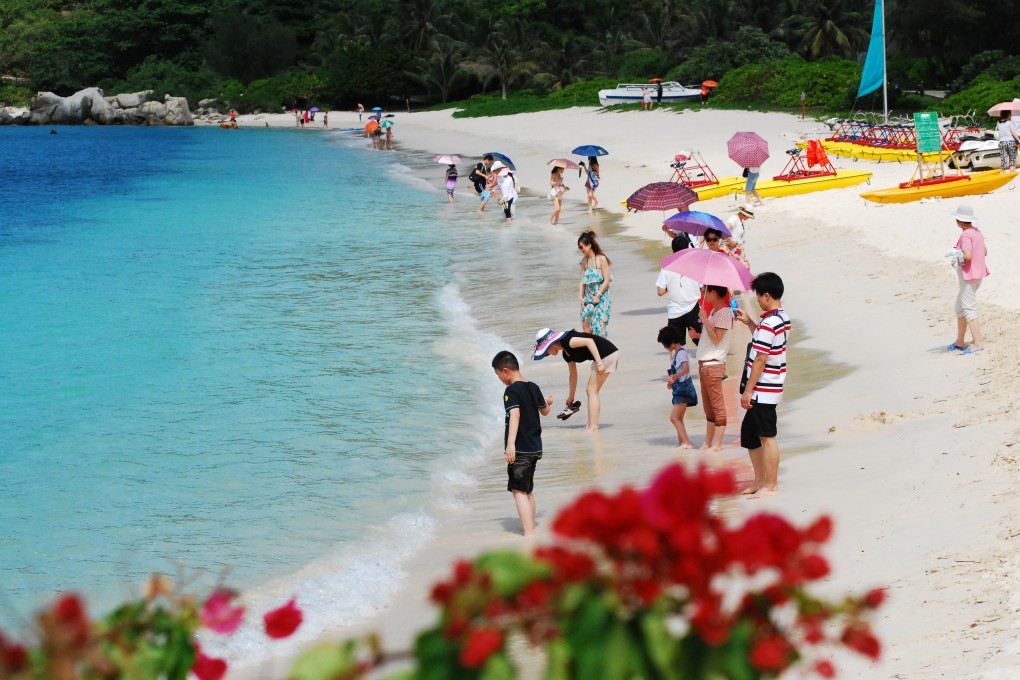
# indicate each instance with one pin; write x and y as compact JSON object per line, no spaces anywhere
{"x":971,"y":272}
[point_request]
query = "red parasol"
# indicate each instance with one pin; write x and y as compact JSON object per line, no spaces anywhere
{"x":661,"y":196}
{"x":655,"y":80}
{"x":747,"y":149}
{"x":710,"y":83}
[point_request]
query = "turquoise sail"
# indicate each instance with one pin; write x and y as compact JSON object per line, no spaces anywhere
{"x":874,"y":65}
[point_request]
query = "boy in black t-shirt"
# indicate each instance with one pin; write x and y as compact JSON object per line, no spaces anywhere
{"x":522,"y":438}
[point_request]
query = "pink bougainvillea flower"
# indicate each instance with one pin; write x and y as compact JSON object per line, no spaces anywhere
{"x":219,"y":615}
{"x":282,"y":622}
{"x":206,"y":667}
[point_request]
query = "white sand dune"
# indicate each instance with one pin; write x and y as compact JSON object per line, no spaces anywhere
{"x":911,"y":450}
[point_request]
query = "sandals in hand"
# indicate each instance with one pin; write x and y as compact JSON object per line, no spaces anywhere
{"x":569,"y":410}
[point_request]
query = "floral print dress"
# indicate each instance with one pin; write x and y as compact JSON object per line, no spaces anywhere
{"x":597,"y":315}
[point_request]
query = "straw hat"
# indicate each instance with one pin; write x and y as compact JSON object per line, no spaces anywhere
{"x":747,"y":211}
{"x":964,"y":213}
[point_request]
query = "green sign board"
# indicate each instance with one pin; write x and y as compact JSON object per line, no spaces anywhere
{"x":926,"y":127}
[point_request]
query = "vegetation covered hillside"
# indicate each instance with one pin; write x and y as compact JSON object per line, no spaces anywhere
{"x":335,"y":52}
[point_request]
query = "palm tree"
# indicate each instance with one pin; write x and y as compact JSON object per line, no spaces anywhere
{"x":442,"y":68}
{"x":830,"y":27}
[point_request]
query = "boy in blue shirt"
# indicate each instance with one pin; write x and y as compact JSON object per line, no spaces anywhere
{"x":522,"y":437}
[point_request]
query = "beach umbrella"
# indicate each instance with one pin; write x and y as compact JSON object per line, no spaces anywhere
{"x":655,"y":80}
{"x":377,"y":108}
{"x":662,"y":196}
{"x":695,"y":223}
{"x":709,"y":268}
{"x":387,"y":123}
{"x":563,"y":163}
{"x":448,"y":158}
{"x":314,"y":108}
{"x":590,"y":150}
{"x":375,"y":117}
{"x":748,"y":149}
{"x":1004,"y":106}
{"x":710,"y":83}
{"x":371,"y":127}
{"x":500,"y":157}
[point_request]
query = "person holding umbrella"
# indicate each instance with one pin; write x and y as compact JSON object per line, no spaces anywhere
{"x":591,"y":183}
{"x":557,"y":189}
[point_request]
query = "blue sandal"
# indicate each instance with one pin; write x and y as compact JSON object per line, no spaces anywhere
{"x":955,"y":348}
{"x":971,"y":350}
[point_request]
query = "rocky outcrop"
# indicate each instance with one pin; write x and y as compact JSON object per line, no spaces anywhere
{"x":92,"y":107}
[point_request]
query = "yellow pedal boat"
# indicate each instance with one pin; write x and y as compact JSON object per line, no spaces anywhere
{"x":942,"y":187}
{"x":874,"y":153}
{"x":804,"y":185}
{"x":725,"y":186}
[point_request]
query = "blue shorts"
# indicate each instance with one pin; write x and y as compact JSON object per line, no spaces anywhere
{"x":752,"y":182}
{"x":684,"y":393}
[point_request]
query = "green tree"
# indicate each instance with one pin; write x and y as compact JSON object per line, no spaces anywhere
{"x":830,"y":27}
{"x":247,"y":48}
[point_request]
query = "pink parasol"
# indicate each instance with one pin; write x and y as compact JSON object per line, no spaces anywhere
{"x":709,"y":268}
{"x":1004,"y":106}
{"x":662,"y":196}
{"x":748,"y":149}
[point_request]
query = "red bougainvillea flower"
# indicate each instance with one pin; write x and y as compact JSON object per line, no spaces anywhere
{"x":480,"y":645}
{"x":218,"y":615}
{"x":13,"y":658}
{"x":860,"y":639}
{"x":208,"y":668}
{"x":825,"y":668}
{"x":282,"y":622}
{"x":69,"y":615}
{"x":874,"y":598}
{"x":771,"y":653}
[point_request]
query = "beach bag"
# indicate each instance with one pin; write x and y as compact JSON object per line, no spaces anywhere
{"x":746,"y":172}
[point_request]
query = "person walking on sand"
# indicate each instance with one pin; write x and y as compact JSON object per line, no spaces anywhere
{"x":646,"y":99}
{"x":658,"y":93}
{"x":591,"y":182}
{"x":682,"y":298}
{"x":679,"y":382}
{"x":761,"y":387}
{"x":556,"y":191}
{"x":361,"y":110}
{"x":451,"y":180}
{"x":325,"y":120}
{"x":717,"y":322}
{"x":593,"y":289}
{"x":578,"y":348}
{"x":750,"y":186}
{"x":522,"y":434}
{"x":971,"y":270}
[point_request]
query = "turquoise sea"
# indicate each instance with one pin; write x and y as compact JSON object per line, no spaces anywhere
{"x":232,"y":354}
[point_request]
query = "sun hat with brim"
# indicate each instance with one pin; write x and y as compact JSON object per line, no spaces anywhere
{"x":544,"y":340}
{"x":496,"y":166}
{"x":964,"y":213}
{"x":747,"y":211}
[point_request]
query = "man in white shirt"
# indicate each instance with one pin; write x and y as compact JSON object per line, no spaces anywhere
{"x":682,"y":295}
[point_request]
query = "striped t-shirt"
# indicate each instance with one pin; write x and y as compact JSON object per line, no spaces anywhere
{"x":770,"y":338}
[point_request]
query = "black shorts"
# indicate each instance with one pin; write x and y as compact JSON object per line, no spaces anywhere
{"x":686,"y":321}
{"x":521,"y":473}
{"x":479,"y":187}
{"x":759,"y":421}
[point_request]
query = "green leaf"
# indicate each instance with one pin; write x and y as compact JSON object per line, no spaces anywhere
{"x":498,"y":667}
{"x":437,"y":658}
{"x":325,"y":662}
{"x":661,"y":647}
{"x":733,"y":657}
{"x":557,"y":653}
{"x":511,"y":571}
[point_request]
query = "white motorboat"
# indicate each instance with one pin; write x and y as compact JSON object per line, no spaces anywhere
{"x":631,"y":93}
{"x":977,"y":154}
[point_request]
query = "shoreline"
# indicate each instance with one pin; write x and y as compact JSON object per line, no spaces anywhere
{"x":894,"y":432}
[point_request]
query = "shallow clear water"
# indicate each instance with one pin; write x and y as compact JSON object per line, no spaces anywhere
{"x":224,"y":351}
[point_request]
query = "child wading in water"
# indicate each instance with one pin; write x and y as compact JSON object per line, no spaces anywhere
{"x":679,"y":383}
{"x":522,"y":437}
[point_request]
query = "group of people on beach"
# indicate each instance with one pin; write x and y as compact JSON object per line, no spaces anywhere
{"x":705,"y":313}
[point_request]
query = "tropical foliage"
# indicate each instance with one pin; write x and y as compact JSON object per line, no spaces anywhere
{"x":651,"y":583}
{"x":338,"y":52}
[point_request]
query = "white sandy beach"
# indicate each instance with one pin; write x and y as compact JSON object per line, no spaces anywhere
{"x":909,"y":447}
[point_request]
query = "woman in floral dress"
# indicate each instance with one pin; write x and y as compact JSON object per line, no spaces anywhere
{"x":594,"y":286}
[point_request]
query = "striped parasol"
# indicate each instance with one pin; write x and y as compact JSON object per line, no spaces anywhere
{"x":662,"y":196}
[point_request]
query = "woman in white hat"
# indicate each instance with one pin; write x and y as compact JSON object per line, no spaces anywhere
{"x":971,"y":272}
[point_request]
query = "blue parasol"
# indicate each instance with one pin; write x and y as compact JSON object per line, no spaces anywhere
{"x":500,"y":157}
{"x":590,"y":150}
{"x":696,"y":223}
{"x":377,"y":108}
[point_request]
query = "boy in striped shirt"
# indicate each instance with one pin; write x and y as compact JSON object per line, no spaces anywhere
{"x":765,"y":372}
